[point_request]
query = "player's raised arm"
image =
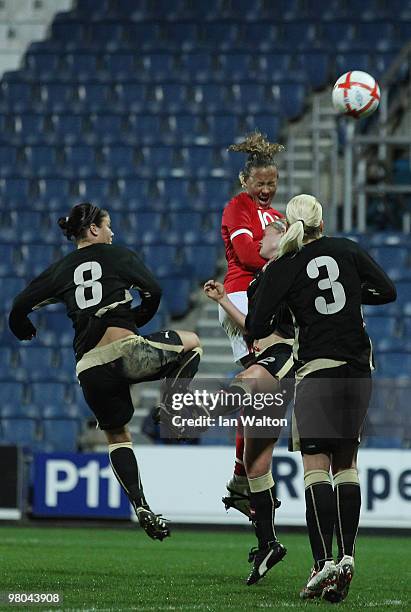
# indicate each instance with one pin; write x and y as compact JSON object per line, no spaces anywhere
{"x":215,"y":291}
{"x":37,"y":294}
{"x":377,"y":287}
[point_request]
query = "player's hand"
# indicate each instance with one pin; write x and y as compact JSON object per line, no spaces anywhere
{"x":214,"y":290}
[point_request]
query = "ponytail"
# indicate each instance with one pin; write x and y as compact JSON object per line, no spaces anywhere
{"x":304,"y":216}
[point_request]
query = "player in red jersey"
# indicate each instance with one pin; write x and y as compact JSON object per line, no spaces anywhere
{"x":244,"y":219}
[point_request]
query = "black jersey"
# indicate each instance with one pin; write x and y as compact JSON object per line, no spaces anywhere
{"x":324,"y":286}
{"x":282,"y":321}
{"x":93,"y":282}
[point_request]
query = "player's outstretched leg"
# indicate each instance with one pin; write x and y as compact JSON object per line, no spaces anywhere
{"x":319,"y":500}
{"x":347,"y":494}
{"x":263,"y":504}
{"x":125,"y":468}
{"x":237,"y":487}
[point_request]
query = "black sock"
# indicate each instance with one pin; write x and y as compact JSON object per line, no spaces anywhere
{"x":262,"y":507}
{"x":348,"y":505}
{"x":124,"y":464}
{"x":179,"y":377}
{"x":319,"y":502}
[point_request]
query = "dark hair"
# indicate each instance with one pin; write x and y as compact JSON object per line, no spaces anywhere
{"x":260,"y":151}
{"x":79,"y":220}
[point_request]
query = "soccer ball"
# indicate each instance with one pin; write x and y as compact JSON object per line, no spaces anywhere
{"x":356,"y":94}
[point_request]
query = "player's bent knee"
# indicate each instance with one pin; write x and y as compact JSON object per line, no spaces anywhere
{"x":118,"y":435}
{"x":190,"y":340}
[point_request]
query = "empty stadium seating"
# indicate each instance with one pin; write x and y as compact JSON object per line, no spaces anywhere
{"x":132,"y":106}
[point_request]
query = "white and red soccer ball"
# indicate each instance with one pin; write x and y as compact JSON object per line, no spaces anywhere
{"x":356,"y":94}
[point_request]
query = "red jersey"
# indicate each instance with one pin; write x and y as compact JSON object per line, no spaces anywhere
{"x":242,"y":229}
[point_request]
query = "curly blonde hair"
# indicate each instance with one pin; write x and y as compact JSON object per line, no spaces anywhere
{"x":260,"y":151}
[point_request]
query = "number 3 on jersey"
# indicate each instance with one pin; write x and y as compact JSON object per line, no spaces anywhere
{"x":93,"y":268}
{"x":333,"y":271}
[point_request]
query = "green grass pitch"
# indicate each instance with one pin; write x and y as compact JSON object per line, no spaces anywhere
{"x":122,"y":569}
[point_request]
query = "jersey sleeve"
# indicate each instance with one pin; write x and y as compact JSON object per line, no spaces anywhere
{"x":38,"y":293}
{"x":376,"y":286}
{"x":133,"y":270}
{"x":273,"y":288}
{"x":238,"y":222}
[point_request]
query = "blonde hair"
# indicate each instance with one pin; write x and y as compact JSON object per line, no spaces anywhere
{"x":304,"y":215}
{"x":260,"y":151}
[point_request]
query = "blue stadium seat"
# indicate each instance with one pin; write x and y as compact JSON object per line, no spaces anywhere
{"x":16,"y":96}
{"x":257,"y":35}
{"x":119,"y":160}
{"x":120,"y":66}
{"x":97,"y":191}
{"x":403,"y":293}
{"x":56,"y":329}
{"x":181,"y":35}
{"x":36,"y":364}
{"x":81,"y":66}
{"x":11,"y":287}
{"x":390,"y":257}
{"x":316,"y":66}
{"x":353,"y":60}
{"x":131,"y":97}
{"x":66,"y":366}
{"x":37,"y":257}
{"x":15,"y":191}
{"x":337,"y":35}
{"x":214,"y":193}
{"x":223,"y":129}
{"x":374,"y":35}
{"x":249,"y":97}
{"x":40,"y":161}
{"x":382,"y":62}
{"x":61,"y":434}
{"x":21,"y":432}
{"x":175,"y":192}
{"x":30,"y":129}
{"x":143,"y":36}
{"x":58,"y":97}
{"x":10,"y":263}
{"x":106,"y":129}
{"x":196,"y":66}
{"x":8,"y":160}
{"x":7,"y":365}
{"x":44,"y":394}
{"x":159,"y":67}
{"x":133,"y":193}
{"x":67,"y":129}
{"x":184,"y":220}
{"x":44,"y":65}
{"x":176,"y":292}
{"x":53,"y":194}
{"x":80,"y":161}
{"x":161,"y":259}
{"x":394,"y":365}
{"x":144,"y":129}
{"x":12,"y":394}
{"x":212,"y":98}
{"x":94,"y":97}
{"x":34,"y":226}
{"x":236,"y":66}
{"x":381,"y":326}
{"x":147,"y":220}
{"x":268,"y":124}
{"x":298,"y":34}
{"x":292,"y":99}
{"x":186,"y":129}
{"x":199,"y":161}
{"x":70,"y":34}
{"x":203,"y":259}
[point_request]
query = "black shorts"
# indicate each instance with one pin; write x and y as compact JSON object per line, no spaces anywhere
{"x":278,"y":361}
{"x":330,"y":407}
{"x":106,"y":382}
